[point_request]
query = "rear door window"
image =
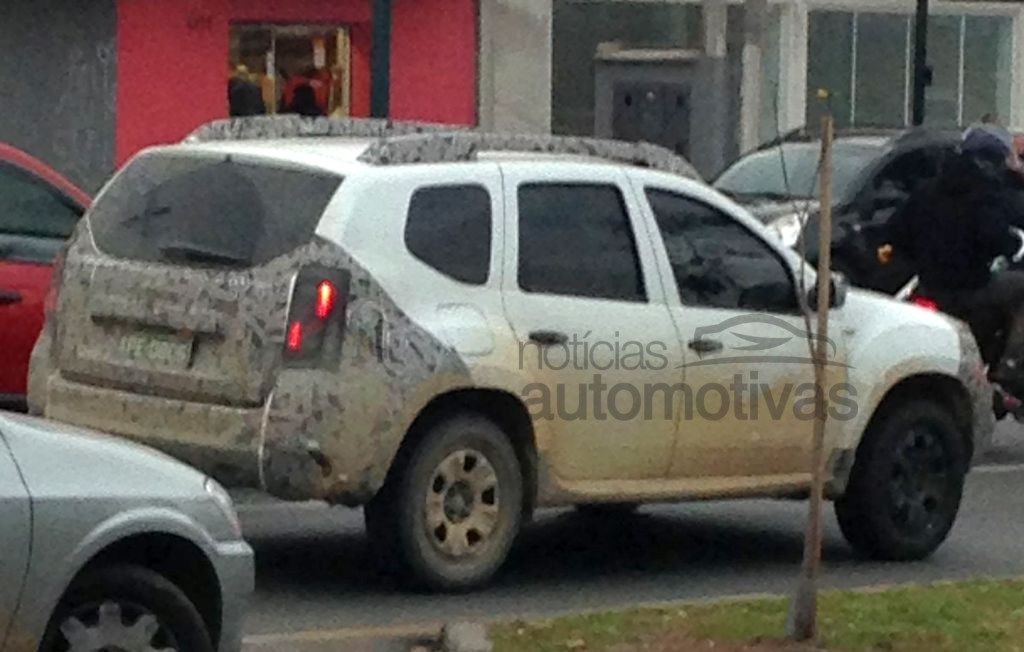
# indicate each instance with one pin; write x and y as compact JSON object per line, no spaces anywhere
{"x":209,"y":211}
{"x":449,"y":228}
{"x":576,"y":240}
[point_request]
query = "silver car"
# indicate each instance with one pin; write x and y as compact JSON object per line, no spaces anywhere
{"x":106,"y":545}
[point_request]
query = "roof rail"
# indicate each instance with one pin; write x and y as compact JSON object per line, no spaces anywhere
{"x":456,"y":146}
{"x":293,"y":126}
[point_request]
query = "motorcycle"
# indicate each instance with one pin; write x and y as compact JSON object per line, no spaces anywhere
{"x":1004,"y":402}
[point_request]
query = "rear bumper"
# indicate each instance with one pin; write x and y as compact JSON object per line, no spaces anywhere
{"x":273,"y":447}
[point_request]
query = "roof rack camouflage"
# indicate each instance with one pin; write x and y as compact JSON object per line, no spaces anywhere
{"x":293,"y":126}
{"x":424,"y":142}
{"x":455,"y":146}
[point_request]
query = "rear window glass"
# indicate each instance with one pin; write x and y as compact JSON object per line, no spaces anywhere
{"x":209,"y":211}
{"x":449,"y":228}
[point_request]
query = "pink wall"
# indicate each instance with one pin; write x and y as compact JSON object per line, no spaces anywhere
{"x":173,"y":60}
{"x":172,"y":69}
{"x":434,"y":60}
{"x":301,"y":11}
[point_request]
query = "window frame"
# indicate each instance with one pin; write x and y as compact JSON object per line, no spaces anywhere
{"x":636,"y":232}
{"x":488,"y":271}
{"x":789,"y":265}
{"x":963,"y":13}
{"x":33,"y":180}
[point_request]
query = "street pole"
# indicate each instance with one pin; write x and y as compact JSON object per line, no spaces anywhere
{"x":802,"y":624}
{"x":380,"y":60}
{"x":921,"y":71}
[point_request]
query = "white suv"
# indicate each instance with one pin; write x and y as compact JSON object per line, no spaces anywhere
{"x":454,"y":328}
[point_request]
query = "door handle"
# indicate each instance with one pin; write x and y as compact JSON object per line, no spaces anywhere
{"x":548,"y":338}
{"x":706,"y":346}
{"x":9,"y":297}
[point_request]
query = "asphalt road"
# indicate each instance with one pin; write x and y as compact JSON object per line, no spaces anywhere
{"x":316,"y":582}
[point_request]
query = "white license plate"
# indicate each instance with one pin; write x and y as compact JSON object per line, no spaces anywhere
{"x":170,"y":351}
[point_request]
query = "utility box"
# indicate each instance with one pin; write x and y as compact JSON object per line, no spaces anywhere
{"x":664,"y":97}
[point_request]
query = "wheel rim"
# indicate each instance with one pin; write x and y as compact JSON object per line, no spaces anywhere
{"x":919,"y":482}
{"x":461,"y":510}
{"x":111,"y":626}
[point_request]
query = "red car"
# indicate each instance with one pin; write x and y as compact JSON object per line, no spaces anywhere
{"x":38,"y":210}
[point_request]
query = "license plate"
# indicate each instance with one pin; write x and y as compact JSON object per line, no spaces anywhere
{"x":157,"y":350}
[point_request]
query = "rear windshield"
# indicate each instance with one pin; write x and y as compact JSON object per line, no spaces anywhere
{"x":208,"y":210}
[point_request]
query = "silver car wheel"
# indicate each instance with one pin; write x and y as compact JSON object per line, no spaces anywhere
{"x":110,"y":631}
{"x":462,"y":504}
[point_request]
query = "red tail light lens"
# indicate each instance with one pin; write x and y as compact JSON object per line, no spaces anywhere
{"x":316,"y":318}
{"x":926,"y":303}
{"x":326,"y":296}
{"x":294,"y":340}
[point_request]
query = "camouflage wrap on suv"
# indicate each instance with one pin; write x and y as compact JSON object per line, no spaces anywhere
{"x":328,"y":432}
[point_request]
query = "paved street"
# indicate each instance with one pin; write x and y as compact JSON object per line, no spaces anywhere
{"x":316,"y":582}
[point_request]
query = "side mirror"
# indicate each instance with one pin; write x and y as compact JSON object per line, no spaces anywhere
{"x":839,"y":287}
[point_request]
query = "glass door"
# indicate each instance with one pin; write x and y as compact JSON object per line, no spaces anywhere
{"x":301,"y":69}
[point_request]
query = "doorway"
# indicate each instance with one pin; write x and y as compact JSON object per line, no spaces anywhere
{"x":289,"y":65}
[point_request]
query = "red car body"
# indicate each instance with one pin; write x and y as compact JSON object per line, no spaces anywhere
{"x":38,"y":210}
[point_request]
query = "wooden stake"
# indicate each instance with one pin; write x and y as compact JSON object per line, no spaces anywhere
{"x":802,"y":624}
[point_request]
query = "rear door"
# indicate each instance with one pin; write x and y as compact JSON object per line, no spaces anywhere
{"x":188,"y":294}
{"x":15,"y":516}
{"x":597,"y":345}
{"x":35,"y":221}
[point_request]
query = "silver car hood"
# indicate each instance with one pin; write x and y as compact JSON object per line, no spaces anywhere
{"x":61,"y":460}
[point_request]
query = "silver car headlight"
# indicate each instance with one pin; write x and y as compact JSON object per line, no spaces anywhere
{"x":223,"y":501}
{"x":787,"y":229}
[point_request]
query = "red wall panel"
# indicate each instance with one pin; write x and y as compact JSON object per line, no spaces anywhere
{"x":173,"y":60}
{"x":301,"y":11}
{"x":434,"y":60}
{"x":172,"y":69}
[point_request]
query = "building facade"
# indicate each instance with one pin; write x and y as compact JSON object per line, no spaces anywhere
{"x":84,"y":85}
{"x":632,"y":67}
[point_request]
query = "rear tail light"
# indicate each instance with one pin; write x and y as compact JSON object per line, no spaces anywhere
{"x":326,"y":297}
{"x":925,"y":302}
{"x":316,"y":319}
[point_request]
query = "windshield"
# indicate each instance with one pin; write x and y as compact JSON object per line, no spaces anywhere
{"x":761,"y":174}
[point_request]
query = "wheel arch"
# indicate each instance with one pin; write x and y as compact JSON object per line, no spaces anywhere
{"x":937,"y":388}
{"x":502,"y":407}
{"x":177,"y":559}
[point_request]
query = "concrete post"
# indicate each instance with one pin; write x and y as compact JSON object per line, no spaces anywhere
{"x":755,"y":19}
{"x":515,"y":65}
{"x":711,"y":101}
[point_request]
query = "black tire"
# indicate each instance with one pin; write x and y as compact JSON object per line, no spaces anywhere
{"x":907,"y":481}
{"x":136,"y":591}
{"x":397,"y":517}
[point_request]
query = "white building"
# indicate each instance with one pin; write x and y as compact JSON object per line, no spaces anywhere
{"x":545,"y":63}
